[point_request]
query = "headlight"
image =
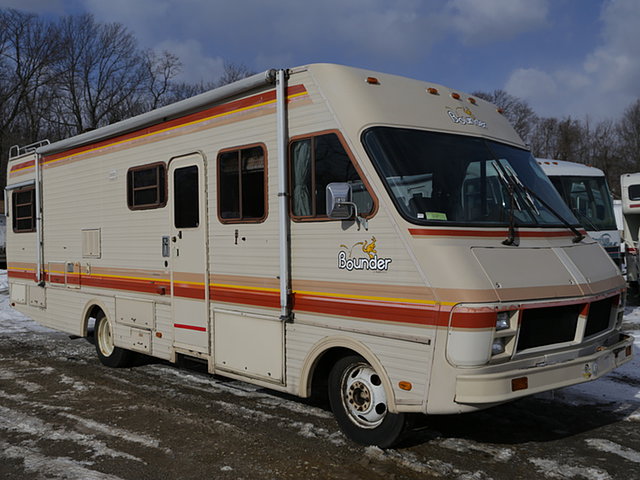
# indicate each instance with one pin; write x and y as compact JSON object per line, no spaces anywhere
{"x":502,"y":321}
{"x":498,"y":346}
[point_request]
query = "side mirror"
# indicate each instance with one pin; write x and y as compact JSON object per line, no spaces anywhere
{"x":339,"y":204}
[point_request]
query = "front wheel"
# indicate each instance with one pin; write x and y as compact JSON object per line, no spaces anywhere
{"x":108,"y":353}
{"x":359,"y":403}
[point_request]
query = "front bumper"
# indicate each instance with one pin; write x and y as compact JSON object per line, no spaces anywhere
{"x":509,"y":385}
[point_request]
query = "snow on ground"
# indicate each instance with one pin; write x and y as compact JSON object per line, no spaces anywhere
{"x":12,"y":321}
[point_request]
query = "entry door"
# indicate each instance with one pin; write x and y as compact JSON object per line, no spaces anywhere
{"x":189,"y":262}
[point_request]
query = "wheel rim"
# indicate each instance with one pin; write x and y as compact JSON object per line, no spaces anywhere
{"x":363,"y":396}
{"x":105,"y":340}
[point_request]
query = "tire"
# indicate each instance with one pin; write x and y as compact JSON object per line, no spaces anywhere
{"x":108,"y":353}
{"x":359,"y":403}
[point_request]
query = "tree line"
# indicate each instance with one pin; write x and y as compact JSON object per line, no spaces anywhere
{"x":62,"y":77}
{"x":612,"y":146}
{"x":59,"y":78}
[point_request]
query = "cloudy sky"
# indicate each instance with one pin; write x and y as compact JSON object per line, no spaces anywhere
{"x":565,"y":57}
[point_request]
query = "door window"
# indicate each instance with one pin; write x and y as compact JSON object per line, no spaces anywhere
{"x":186,"y":208}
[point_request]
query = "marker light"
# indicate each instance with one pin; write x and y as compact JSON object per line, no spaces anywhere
{"x":455,"y":95}
{"x":520,"y":383}
{"x":500,"y":110}
{"x":373,"y":81}
{"x":432,"y":91}
{"x":405,"y":386}
{"x":473,"y":101}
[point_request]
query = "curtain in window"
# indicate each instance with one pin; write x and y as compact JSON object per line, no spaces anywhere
{"x":302,"y":178}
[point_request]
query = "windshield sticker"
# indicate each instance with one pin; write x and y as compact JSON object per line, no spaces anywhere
{"x":436,"y":216}
{"x":366,"y":259}
{"x":464,"y":116}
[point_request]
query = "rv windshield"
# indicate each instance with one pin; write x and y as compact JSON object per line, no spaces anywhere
{"x":439,"y":177}
{"x":589,"y":199}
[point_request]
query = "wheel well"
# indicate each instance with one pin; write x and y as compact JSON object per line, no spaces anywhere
{"x":92,"y":313}
{"x":320,"y":375}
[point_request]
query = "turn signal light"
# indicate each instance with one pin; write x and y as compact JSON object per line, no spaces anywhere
{"x":405,"y":386}
{"x":520,"y":383}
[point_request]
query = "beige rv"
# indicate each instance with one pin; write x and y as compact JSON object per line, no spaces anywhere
{"x":390,"y":238}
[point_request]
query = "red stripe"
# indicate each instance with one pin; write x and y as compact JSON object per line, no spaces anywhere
{"x":245,"y":296}
{"x":370,"y":309}
{"x":190,"y":327}
{"x":17,"y":274}
{"x":22,"y":165}
{"x":479,"y":319}
{"x":634,"y":205}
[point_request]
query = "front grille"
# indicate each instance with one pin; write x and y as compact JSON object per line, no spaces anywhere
{"x":548,"y":326}
{"x":599,"y":316}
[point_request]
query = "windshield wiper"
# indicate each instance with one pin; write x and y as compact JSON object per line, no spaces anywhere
{"x":511,"y":237}
{"x":585,"y":219}
{"x":508,"y":175}
{"x":578,"y":236}
{"x":509,"y":183}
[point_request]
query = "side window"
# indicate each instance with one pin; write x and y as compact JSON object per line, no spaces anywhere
{"x":23,"y":210}
{"x":147,"y":187}
{"x":316,"y":162}
{"x":634,"y":192}
{"x":242,"y":185}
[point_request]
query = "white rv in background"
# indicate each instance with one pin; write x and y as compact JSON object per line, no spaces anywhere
{"x":584,"y":189}
{"x":388,"y":239}
{"x":630,"y":193}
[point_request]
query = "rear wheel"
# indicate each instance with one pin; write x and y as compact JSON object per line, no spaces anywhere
{"x":108,"y":353}
{"x":359,"y":403}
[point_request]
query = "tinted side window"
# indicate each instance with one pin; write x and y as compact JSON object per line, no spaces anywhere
{"x":242,"y":185}
{"x":24,"y":210}
{"x":634,"y":192}
{"x":147,"y":187}
{"x":316,"y":162}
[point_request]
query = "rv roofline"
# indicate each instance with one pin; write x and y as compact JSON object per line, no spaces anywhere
{"x":553,"y":167}
{"x":162,"y":114}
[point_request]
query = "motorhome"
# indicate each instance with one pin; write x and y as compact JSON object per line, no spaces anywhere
{"x":389,"y":239}
{"x":585,"y":190}
{"x":630,"y":196}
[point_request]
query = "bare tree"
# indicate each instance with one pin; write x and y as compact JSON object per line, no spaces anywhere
{"x":232,"y":73}
{"x":161,"y":69}
{"x":517,"y":111}
{"x":628,"y":129}
{"x":101,"y":70}
{"x":28,"y":50}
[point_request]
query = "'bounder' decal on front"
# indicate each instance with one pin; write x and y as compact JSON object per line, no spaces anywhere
{"x":368,"y":261}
